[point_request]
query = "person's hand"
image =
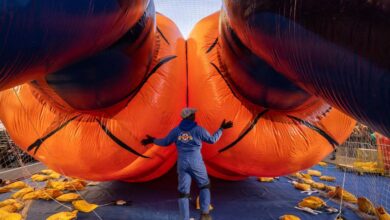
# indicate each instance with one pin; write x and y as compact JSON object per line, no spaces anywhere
{"x":226,"y":124}
{"x":148,"y":140}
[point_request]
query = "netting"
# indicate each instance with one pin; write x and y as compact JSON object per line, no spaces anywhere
{"x":20,"y":184}
{"x":10,"y":155}
{"x":365,"y":166}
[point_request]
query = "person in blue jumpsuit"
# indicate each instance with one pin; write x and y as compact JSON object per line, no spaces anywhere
{"x":188,"y":137}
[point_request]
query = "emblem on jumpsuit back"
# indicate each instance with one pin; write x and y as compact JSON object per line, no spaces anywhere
{"x":185,"y":137}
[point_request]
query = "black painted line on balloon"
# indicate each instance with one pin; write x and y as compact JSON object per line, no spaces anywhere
{"x":118,"y":141}
{"x":160,"y":63}
{"x":224,"y":78}
{"x":187,"y":87}
{"x":332,"y":141}
{"x":212,"y":45}
{"x":40,"y":141}
{"x":162,"y":35}
{"x":155,"y":68}
{"x":252,"y":125}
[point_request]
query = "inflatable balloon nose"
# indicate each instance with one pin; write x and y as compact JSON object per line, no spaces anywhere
{"x":41,"y":36}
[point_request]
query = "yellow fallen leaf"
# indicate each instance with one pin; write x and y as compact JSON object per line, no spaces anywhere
{"x":39,"y":178}
{"x":306,"y":176}
{"x":289,"y":217}
{"x":45,"y":194}
{"x":266,"y":179}
{"x":4,"y":215}
{"x":75,"y":185}
{"x":314,"y":173}
{"x":302,"y":186}
{"x":18,"y":205}
{"x":9,"y":208}
{"x":366,"y":206}
{"x":345,"y":195}
{"x":47,"y":171}
{"x":307,"y":181}
{"x":22,"y":192}
{"x":382,"y":214}
{"x":84,"y":206}
{"x":312,"y":202}
{"x":298,"y":175}
{"x":54,"y":175}
{"x":330,"y":188}
{"x":11,"y":205}
{"x":316,"y":185}
{"x":48,"y":194}
{"x":63,"y":216}
{"x":68,"y":197}
{"x":31,"y":195}
{"x":16,"y":185}
{"x":4,"y":189}
{"x":328,"y":178}
{"x":56,"y":185}
{"x":323,"y":164}
{"x":8,"y":202}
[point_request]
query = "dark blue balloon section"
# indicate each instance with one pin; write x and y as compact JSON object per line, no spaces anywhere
{"x":40,"y":36}
{"x":338,"y":50}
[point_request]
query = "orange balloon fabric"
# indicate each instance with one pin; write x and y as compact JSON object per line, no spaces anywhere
{"x":263,"y":142}
{"x":105,"y":146}
{"x":85,"y":132}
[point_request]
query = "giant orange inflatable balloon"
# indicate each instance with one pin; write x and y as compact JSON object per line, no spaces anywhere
{"x":279,"y":128}
{"x":87,"y":119}
{"x":89,"y":93}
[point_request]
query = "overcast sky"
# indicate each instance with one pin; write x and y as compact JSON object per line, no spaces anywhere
{"x":186,"y":13}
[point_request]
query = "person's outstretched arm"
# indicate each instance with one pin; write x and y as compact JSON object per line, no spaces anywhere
{"x":168,"y":140}
{"x":206,"y":137}
{"x":163,"y":142}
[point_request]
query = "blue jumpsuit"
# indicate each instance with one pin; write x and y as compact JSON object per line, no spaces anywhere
{"x":188,"y":137}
